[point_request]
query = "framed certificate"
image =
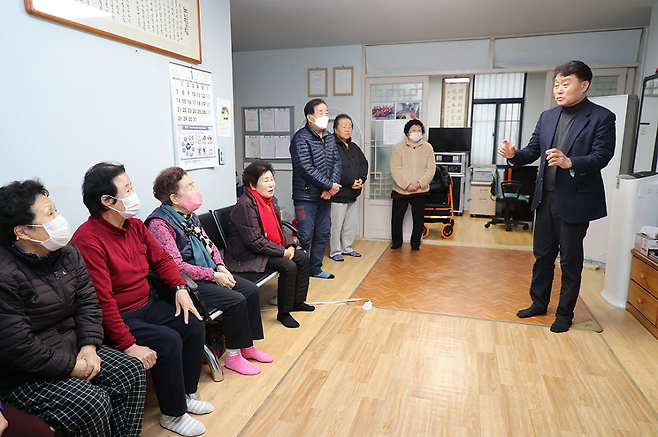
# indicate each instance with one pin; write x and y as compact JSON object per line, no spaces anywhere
{"x":132,"y":21}
{"x":343,"y":81}
{"x":317,"y":82}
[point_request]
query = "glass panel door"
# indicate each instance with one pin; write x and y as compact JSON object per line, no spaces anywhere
{"x":391,"y":102}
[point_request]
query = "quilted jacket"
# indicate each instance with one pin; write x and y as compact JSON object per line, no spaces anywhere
{"x":48,"y":311}
{"x":248,"y":249}
{"x":315,"y":164}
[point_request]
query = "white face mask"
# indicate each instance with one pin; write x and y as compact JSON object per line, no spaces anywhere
{"x":321,"y":122}
{"x":132,"y":205}
{"x":415,"y":136}
{"x":59,"y":232}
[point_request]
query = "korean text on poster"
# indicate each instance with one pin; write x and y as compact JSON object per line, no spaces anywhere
{"x":194,"y":117}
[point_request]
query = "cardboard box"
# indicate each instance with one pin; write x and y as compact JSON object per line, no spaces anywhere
{"x":645,"y":244}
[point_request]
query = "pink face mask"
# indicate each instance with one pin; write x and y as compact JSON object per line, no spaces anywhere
{"x":192,"y":202}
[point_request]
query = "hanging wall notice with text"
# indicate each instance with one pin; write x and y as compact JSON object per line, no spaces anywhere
{"x":455,"y":100}
{"x":194,"y":117}
{"x":167,"y":26}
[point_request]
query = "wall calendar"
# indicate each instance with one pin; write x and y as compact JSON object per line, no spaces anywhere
{"x":194,"y":117}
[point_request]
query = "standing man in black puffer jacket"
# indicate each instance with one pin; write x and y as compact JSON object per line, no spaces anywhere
{"x":316,"y":171}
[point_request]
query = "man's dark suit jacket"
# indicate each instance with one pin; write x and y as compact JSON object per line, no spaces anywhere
{"x":579,"y":192}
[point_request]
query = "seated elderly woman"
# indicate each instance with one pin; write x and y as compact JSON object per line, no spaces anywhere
{"x":119,"y":251}
{"x":53,"y":364}
{"x":256,"y":242}
{"x":178,"y":230}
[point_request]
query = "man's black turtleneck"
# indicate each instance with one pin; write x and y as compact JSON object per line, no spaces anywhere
{"x":567,"y":117}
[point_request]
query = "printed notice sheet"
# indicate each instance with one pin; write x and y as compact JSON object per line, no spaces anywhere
{"x":282,"y":119}
{"x":282,"y":147}
{"x":194,"y":117}
{"x":266,"y":120}
{"x":251,"y":146}
{"x":251,"y":120}
{"x":267,"y":145}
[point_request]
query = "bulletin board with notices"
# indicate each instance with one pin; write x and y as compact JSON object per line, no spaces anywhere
{"x":267,"y":132}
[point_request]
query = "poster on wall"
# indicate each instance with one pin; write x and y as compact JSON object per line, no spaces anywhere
{"x":383,"y":111}
{"x":407,"y":111}
{"x":224,"y":118}
{"x":194,"y":117}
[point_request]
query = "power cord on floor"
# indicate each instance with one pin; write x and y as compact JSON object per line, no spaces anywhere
{"x":367,"y":306}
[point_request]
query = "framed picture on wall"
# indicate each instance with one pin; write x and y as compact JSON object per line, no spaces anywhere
{"x":455,"y":100}
{"x":343,"y":81}
{"x":317,"y":82}
{"x":134,"y":22}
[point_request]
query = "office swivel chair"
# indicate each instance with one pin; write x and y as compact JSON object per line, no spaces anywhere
{"x":509,"y":196}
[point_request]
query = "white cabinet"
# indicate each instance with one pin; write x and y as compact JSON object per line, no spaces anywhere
{"x":481,"y":201}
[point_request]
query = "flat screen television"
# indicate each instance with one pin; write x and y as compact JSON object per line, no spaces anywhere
{"x":450,"y":139}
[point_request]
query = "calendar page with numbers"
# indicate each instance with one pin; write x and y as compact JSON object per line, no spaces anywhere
{"x":194,"y":117}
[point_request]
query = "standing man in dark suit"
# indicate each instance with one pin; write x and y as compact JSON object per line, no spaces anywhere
{"x":574,"y":141}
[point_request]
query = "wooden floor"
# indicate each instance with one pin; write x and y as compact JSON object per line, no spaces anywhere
{"x":496,"y":289}
{"x":350,"y":372}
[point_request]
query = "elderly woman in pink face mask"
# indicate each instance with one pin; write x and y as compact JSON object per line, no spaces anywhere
{"x":178,"y":230}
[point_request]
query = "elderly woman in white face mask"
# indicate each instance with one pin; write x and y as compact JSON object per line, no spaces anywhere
{"x":167,"y":338}
{"x":412,"y":170}
{"x":53,"y":364}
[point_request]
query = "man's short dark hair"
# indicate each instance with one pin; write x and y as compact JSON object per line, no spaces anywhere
{"x":339,"y":118}
{"x":309,"y":109}
{"x":97,"y":183}
{"x":577,"y":68}
{"x":16,"y":200}
{"x":254,"y":171}
{"x":166,"y":184}
{"x":412,"y":123}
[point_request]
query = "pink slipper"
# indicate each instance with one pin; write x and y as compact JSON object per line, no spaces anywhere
{"x":253,"y":353}
{"x":238,"y":364}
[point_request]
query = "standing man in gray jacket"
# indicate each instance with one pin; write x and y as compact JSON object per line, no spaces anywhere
{"x":316,"y":170}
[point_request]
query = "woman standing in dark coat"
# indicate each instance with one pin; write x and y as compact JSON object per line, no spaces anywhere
{"x":344,"y":209}
{"x":52,"y":363}
{"x":256,"y":241}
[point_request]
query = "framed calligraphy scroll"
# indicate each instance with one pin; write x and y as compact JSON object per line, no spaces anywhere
{"x":171,"y":27}
{"x":455,"y":102}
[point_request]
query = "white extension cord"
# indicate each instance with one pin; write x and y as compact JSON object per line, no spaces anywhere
{"x":367,"y":306}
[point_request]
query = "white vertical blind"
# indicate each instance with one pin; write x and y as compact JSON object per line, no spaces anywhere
{"x":499,"y":86}
{"x":484,"y":122}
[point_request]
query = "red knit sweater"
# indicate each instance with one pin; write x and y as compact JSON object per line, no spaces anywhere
{"x":118,"y":260}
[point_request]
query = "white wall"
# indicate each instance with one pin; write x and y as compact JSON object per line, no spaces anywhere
{"x":71,"y":99}
{"x":280,"y":78}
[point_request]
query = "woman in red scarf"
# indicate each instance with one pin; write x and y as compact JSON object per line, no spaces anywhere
{"x":256,"y":242}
